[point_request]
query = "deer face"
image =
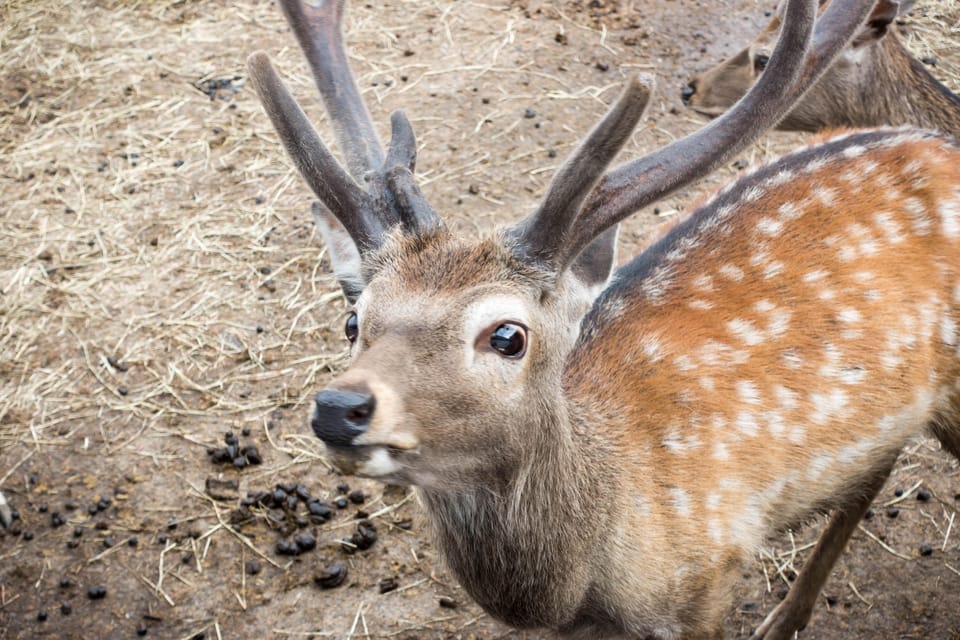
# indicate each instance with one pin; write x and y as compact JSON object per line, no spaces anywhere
{"x":455,"y":350}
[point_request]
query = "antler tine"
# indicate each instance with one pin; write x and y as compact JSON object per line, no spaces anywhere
{"x":648,"y":179}
{"x":317,"y":27}
{"x":540,"y":235}
{"x":332,"y":185}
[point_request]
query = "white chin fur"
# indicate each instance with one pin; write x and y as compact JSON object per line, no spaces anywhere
{"x":380,"y":463}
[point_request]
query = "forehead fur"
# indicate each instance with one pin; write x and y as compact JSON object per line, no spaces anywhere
{"x":439,"y":261}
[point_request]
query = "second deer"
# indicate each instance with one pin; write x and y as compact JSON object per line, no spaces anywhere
{"x":600,"y":453}
{"x":874,"y":81}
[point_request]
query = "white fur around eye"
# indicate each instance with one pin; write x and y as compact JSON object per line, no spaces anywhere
{"x":487,"y":312}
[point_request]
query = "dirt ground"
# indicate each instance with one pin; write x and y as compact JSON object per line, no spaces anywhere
{"x":161,"y":284}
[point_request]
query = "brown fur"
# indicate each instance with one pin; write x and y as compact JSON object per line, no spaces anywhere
{"x":874,"y":82}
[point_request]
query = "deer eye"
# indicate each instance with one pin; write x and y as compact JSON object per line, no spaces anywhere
{"x":509,"y":339}
{"x":760,"y":62}
{"x":352,"y":327}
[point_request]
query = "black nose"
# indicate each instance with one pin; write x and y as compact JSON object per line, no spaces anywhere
{"x":341,"y":416}
{"x":687,"y":92}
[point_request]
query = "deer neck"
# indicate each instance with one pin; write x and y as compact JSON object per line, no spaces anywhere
{"x":517,"y":544}
{"x":899,"y":90}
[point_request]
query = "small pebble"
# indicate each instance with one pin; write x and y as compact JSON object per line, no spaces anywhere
{"x":178,"y":163}
{"x":302,"y":492}
{"x":926,"y":550}
{"x":832,"y":600}
{"x":892,"y":512}
{"x":448,"y":603}
{"x":123,"y":391}
{"x":132,"y":542}
{"x":253,"y":567}
{"x":868,"y":515}
{"x":529,"y":113}
{"x":109,"y":541}
{"x":97,"y":592}
{"x":56,"y":520}
{"x":64,"y":582}
{"x":331,"y":576}
{"x":357,"y":497}
{"x":341,"y":503}
{"x":245,"y":431}
{"x":66,"y":609}
{"x":923,"y":495}
{"x":898,"y":492}
{"x":41,"y":615}
{"x":141,"y":629}
{"x":343,"y":487}
{"x":77,"y":532}
{"x":43,"y":508}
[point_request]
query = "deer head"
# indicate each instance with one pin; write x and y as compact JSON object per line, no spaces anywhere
{"x":835,"y":100}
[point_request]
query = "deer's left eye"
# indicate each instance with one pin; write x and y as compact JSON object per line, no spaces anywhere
{"x":351,"y":327}
{"x":760,"y":62}
{"x":509,"y":339}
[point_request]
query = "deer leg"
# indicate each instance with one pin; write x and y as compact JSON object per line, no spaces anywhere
{"x":792,"y":614}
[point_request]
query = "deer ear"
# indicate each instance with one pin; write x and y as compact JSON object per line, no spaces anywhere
{"x":595,"y":263}
{"x":343,"y":252}
{"x":883,"y":14}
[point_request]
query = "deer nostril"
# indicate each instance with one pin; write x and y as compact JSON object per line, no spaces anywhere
{"x":341,"y":416}
{"x":359,"y":414}
{"x":687,"y":92}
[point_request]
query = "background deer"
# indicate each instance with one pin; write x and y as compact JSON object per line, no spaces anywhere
{"x":600,"y":456}
{"x":875,"y":81}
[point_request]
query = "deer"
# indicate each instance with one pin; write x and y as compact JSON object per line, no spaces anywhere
{"x":600,"y":450}
{"x":874,"y":82}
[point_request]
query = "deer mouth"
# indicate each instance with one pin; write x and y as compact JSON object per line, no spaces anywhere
{"x":377,"y":461}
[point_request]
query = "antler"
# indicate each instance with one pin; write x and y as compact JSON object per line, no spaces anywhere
{"x":378,"y":192}
{"x":792,"y":69}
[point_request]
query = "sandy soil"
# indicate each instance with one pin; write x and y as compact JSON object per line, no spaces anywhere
{"x":161,"y":284}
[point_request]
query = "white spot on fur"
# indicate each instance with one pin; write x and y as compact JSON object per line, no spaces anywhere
{"x":700,"y":304}
{"x":715,"y":531}
{"x":853,"y":375}
{"x":764,"y":306}
{"x":814,"y":276}
{"x":818,"y":464}
{"x":745,"y":331}
{"x":790,"y":210}
{"x":854,"y":151}
{"x":684,"y":363}
{"x":948,"y":330}
{"x":919,"y":217}
{"x":681,"y":502}
{"x":770,"y":226}
{"x":791,"y":359}
{"x":849,"y":315}
{"x":734,"y":272}
{"x":678,"y":444}
{"x":889,"y":227}
{"x":748,"y":391}
{"x":825,"y":196}
{"x":746,"y":423}
{"x":703,"y":282}
{"x":786,"y":397}
{"x":720,"y":451}
{"x":949,"y":210}
{"x":827,"y":405}
{"x":753,"y":193}
{"x":773,"y":269}
{"x":707,"y":383}
{"x":779,"y":322}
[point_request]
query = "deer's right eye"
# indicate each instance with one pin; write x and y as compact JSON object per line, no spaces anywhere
{"x":352,"y":327}
{"x":509,"y":339}
{"x":760,"y":62}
